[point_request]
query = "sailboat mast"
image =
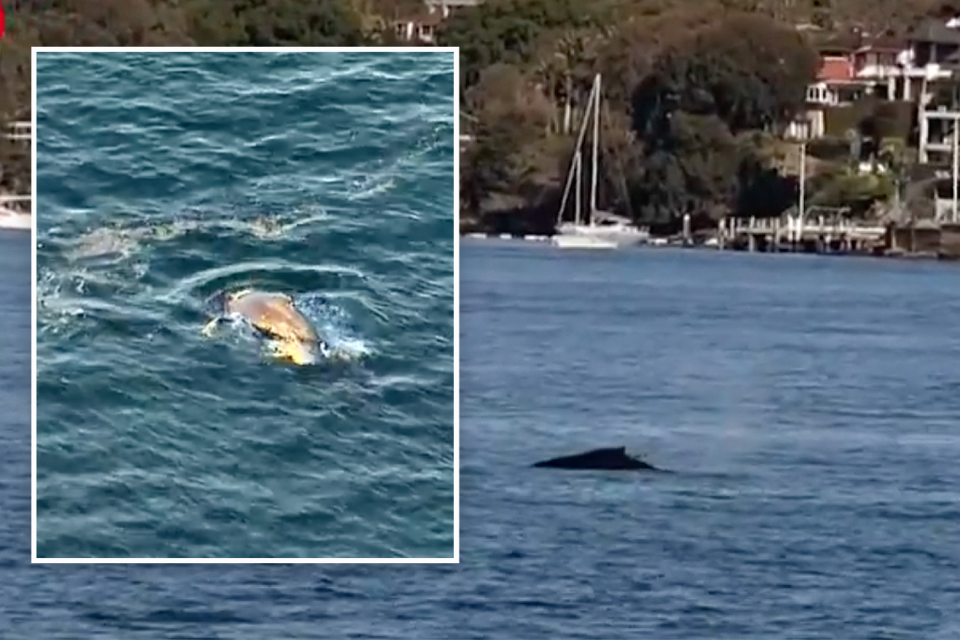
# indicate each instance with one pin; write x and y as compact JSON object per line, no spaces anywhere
{"x":573,"y":172}
{"x":578,"y":166}
{"x":593,"y":156}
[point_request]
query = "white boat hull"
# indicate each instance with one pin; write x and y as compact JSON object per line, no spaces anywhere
{"x":10,"y":219}
{"x":612,"y":235}
{"x":574,"y":241}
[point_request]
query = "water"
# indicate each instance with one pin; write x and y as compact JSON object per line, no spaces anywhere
{"x":165,"y":178}
{"x":808,"y":405}
{"x":15,"y":399}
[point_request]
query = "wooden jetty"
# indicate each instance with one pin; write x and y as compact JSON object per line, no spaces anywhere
{"x":925,"y":238}
{"x":833,"y":233}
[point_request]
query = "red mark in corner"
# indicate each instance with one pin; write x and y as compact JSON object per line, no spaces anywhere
{"x":3,"y":22}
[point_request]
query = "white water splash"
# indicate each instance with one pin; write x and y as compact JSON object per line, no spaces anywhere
{"x":335,"y":326}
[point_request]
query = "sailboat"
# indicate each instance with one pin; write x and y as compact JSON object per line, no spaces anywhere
{"x":602,"y":229}
{"x":11,"y":214}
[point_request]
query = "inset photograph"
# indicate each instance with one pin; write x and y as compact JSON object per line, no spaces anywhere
{"x":245,"y":305}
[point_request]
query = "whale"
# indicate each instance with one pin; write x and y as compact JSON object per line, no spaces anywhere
{"x":274,"y":316}
{"x":614,"y":458}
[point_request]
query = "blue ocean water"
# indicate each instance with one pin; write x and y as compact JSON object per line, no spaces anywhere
{"x":807,"y":405}
{"x":15,"y":378}
{"x":164,"y":178}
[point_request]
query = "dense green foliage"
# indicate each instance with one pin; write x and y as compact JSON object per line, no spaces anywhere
{"x":696,"y":94}
{"x":686,"y":93}
{"x":160,"y":23}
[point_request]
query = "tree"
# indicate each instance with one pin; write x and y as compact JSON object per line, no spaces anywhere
{"x":747,"y":70}
{"x":689,"y":170}
{"x":507,"y":31}
{"x":566,"y":64}
{"x":106,"y":23}
{"x":513,"y":117}
{"x":274,"y":23}
{"x":14,"y":163}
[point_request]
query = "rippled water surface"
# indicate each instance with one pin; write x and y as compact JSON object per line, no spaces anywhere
{"x":166,"y":178}
{"x":808,"y":407}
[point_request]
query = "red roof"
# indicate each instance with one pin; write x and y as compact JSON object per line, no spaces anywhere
{"x":833,"y":69}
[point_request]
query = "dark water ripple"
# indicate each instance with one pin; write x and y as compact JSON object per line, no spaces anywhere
{"x":164,"y":178}
{"x":809,"y":407}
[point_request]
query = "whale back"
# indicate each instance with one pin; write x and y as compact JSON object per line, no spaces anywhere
{"x":273,"y":314}
{"x":612,"y":458}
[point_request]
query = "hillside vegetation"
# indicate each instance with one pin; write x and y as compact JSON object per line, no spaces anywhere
{"x":696,"y":94}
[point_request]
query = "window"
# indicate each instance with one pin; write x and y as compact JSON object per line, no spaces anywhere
{"x":816,"y":93}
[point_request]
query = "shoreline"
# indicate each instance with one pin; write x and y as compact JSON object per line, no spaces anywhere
{"x":886,"y":253}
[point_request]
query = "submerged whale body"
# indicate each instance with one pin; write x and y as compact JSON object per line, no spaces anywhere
{"x":614,"y":458}
{"x":274,"y":316}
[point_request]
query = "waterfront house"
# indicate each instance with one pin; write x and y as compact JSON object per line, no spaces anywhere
{"x":875,"y":65}
{"x":836,"y":84}
{"x":922,"y":69}
{"x":421,"y":29}
{"x":446,"y":7}
{"x":933,"y":58}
